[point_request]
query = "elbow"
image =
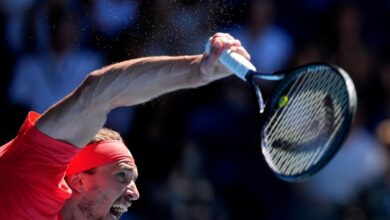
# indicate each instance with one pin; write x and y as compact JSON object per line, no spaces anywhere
{"x":91,"y":94}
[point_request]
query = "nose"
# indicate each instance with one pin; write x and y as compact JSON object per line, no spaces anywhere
{"x":132,"y":191}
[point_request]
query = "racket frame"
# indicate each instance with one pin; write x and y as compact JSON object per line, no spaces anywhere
{"x":337,"y":142}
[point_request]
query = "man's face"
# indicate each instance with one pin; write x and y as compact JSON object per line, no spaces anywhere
{"x":109,"y":191}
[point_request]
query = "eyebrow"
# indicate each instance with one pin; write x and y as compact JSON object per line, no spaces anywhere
{"x":128,"y":167}
{"x":125,"y":167}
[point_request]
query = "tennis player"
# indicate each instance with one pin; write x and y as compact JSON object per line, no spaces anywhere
{"x":64,"y":165}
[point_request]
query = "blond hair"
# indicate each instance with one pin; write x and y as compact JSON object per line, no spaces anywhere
{"x":106,"y":134}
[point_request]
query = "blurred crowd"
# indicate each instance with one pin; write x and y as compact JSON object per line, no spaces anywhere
{"x":198,"y":150}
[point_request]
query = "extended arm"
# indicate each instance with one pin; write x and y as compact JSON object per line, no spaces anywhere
{"x":78,"y":117}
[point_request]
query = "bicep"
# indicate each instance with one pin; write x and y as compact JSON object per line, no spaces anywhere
{"x":77,"y":117}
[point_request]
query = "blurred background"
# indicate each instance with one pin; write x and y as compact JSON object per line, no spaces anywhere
{"x":198,"y":150}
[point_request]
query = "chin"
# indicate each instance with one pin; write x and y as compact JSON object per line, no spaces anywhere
{"x":112,"y":216}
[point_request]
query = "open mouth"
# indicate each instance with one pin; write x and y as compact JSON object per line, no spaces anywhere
{"x":117,"y":210}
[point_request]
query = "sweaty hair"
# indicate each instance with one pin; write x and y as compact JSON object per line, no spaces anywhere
{"x":106,"y":134}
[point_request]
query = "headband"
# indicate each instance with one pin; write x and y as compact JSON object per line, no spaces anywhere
{"x":98,"y":154}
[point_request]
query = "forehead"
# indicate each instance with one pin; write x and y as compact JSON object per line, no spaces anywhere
{"x":124,"y":164}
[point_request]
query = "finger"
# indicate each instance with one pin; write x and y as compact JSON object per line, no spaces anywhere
{"x":242,"y":51}
{"x":229,"y":43}
{"x":215,"y":48}
{"x":222,"y":35}
{"x":218,"y":45}
{"x":223,"y":40}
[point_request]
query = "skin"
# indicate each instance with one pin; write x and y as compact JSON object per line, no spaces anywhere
{"x":79,"y":116}
{"x":94,"y":194}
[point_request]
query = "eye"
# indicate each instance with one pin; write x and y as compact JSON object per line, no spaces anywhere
{"x":121,"y":174}
{"x":123,"y":177}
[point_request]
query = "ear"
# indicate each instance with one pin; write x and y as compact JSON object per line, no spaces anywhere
{"x":76,"y":182}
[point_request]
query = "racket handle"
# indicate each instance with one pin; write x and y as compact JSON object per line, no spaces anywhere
{"x":235,"y":62}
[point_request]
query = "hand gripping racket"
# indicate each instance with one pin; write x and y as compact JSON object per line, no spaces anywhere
{"x":306,"y":119}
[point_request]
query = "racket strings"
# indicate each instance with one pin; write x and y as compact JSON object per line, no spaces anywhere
{"x":276,"y":155}
{"x":282,"y":156}
{"x":337,"y":124}
{"x":279,"y":115}
{"x":296,"y":108}
{"x":316,"y":155}
{"x":298,"y":134}
{"x":313,"y":144}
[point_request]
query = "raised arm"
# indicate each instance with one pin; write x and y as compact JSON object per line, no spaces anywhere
{"x":77,"y":117}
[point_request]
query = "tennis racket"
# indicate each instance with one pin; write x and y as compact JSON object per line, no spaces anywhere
{"x":306,"y":119}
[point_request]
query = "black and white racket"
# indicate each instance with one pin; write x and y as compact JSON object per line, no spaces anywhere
{"x":307,"y":118}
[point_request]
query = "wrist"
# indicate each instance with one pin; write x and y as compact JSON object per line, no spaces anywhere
{"x":198,"y":76}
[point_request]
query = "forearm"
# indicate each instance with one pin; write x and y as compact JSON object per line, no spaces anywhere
{"x":137,"y":81}
{"x":78,"y":117}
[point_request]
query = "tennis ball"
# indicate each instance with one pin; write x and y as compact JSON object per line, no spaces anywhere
{"x":283,"y":101}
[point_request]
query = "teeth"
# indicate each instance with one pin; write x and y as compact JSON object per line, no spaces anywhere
{"x":120,"y":208}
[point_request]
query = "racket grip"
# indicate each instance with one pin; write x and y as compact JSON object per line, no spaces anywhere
{"x":235,"y":62}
